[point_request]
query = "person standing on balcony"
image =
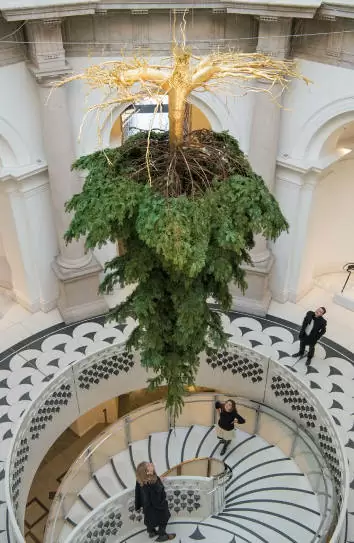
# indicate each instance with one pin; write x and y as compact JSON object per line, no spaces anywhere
{"x":312,"y":329}
{"x":150,"y":496}
{"x":225,"y":429}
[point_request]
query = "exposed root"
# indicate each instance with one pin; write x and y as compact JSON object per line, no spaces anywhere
{"x":205,"y":157}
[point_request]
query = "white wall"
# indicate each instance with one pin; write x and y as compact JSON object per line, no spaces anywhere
{"x":302,"y":103}
{"x":20,"y":110}
{"x":330,"y":240}
{"x":303,"y":108}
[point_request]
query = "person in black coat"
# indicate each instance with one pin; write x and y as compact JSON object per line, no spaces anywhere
{"x":150,"y":496}
{"x":225,"y":428}
{"x":312,"y":329}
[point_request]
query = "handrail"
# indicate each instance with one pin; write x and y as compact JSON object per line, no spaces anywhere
{"x":84,"y":363}
{"x":99,"y":511}
{"x":203,"y":398}
{"x":195,"y":460}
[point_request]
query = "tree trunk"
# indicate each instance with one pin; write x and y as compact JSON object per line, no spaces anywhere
{"x":176,"y":113}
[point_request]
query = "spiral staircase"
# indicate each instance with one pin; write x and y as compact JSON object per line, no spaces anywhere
{"x":289,"y":473}
{"x":267,"y":499}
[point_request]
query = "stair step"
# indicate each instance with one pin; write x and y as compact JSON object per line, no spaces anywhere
{"x":65,"y":532}
{"x":261,"y":530}
{"x":107,"y":479}
{"x":157,"y":450}
{"x":92,"y":494}
{"x":301,"y":519}
{"x":124,"y":468}
{"x":77,"y":512}
{"x":140,"y":451}
{"x":191,"y":444}
{"x":268,"y":499}
{"x":176,"y":437}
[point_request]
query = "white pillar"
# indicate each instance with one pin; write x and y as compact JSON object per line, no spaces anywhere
{"x":262,"y":154}
{"x":59,"y":148}
{"x":44,"y":244}
{"x":17,"y":245}
{"x":29,"y":240}
{"x":5,"y":270}
{"x":298,"y":281}
{"x":287,"y":191}
{"x":294,"y":191}
{"x":77,"y":270}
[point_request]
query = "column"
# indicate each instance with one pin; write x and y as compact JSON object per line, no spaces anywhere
{"x":262,"y":154}
{"x":5,"y":270}
{"x":29,"y":239}
{"x":18,"y":248}
{"x":37,"y":207}
{"x":299,"y":280}
{"x":76,"y":269}
{"x":287,"y":190}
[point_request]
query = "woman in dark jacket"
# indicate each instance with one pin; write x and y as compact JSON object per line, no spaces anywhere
{"x":225,"y":428}
{"x":150,"y":495}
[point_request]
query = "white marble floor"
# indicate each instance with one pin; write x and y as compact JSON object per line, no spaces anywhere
{"x":17,"y":324}
{"x":24,"y":370}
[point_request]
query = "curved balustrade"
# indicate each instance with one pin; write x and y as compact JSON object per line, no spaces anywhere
{"x":237,"y":370}
{"x":117,"y":516}
{"x":272,"y":426}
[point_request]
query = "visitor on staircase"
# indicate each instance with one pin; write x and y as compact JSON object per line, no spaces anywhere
{"x":150,"y":496}
{"x":225,"y":429}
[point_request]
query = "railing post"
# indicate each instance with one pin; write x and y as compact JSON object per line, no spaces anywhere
{"x":214,"y":415}
{"x":89,"y":461}
{"x":256,"y":424}
{"x":296,"y":435}
{"x":127,"y":431}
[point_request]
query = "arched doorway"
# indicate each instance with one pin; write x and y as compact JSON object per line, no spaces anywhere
{"x":331,"y":225}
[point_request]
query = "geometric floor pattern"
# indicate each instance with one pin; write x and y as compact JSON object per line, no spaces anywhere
{"x":26,"y":367}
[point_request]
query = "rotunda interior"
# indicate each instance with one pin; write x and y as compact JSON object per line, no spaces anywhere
{"x":76,"y":416}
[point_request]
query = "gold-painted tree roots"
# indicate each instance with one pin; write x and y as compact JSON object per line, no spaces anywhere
{"x":134,"y":80}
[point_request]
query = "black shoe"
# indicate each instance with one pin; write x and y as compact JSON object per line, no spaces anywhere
{"x":297,"y":354}
{"x":224,"y":449}
{"x":166,"y":537}
{"x":154,"y":533}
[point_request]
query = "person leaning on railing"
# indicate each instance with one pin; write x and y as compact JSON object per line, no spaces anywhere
{"x":228,"y":417}
{"x":150,"y":496}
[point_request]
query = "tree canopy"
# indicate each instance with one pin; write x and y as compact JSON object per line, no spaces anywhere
{"x":181,"y":246}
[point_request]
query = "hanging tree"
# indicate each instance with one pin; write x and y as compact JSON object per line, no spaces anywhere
{"x":186,"y":206}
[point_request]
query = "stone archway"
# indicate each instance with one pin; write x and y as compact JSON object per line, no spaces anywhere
{"x":315,"y":192}
{"x":13,"y":151}
{"x":330,"y":230}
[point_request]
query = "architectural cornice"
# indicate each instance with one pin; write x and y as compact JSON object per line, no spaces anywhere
{"x":331,"y":11}
{"x":293,"y":166}
{"x":33,"y":12}
{"x":22,"y":173}
{"x":49,"y":77}
{"x":273,"y":8}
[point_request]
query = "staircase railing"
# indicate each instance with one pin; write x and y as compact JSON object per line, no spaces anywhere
{"x":272,"y":426}
{"x":312,"y":434}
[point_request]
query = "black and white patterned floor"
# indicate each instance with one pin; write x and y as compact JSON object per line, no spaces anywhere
{"x":28,"y":366}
